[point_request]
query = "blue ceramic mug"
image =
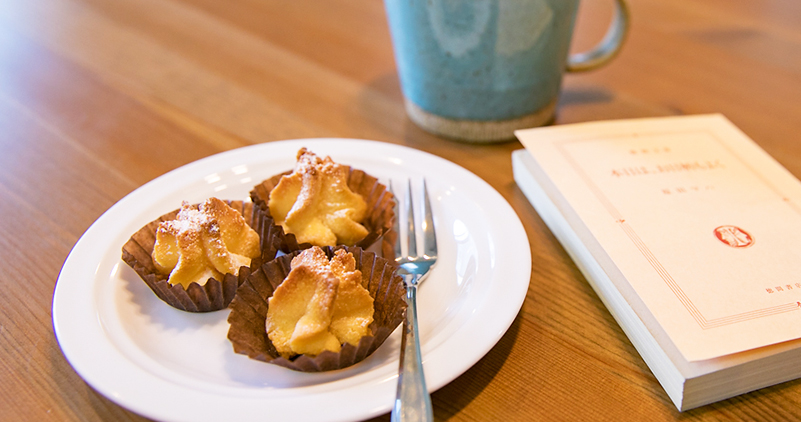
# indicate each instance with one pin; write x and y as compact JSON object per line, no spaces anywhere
{"x":477,"y":70}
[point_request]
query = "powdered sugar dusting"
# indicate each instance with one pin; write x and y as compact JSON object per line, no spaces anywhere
{"x":309,"y":163}
{"x":189,"y":219}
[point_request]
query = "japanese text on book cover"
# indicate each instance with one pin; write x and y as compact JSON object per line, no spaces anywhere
{"x":703,"y":224}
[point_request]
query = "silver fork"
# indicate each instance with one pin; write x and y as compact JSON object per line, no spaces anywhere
{"x":412,"y":401}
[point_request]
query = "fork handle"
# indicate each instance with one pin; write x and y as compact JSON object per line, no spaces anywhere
{"x":412,"y":402}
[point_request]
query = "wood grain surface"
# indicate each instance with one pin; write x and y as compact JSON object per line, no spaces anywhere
{"x":97,"y":97}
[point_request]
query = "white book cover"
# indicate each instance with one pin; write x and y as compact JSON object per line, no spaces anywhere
{"x":698,"y":228}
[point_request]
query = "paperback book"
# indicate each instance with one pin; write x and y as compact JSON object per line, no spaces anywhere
{"x":688,"y":231}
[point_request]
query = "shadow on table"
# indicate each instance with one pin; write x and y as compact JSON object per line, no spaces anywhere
{"x":572,"y":95}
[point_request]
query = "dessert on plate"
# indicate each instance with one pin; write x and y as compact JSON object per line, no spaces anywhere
{"x":320,"y":305}
{"x":323,"y":203}
{"x":194,"y":258}
{"x":317,"y":309}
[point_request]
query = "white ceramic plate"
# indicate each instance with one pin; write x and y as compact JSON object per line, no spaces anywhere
{"x":172,"y":365}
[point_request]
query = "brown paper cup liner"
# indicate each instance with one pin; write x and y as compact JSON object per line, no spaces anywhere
{"x":248,"y":333}
{"x":378,"y":221}
{"x":212,"y":296}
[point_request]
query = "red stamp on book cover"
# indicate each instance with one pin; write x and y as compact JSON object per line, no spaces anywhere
{"x":734,"y":236}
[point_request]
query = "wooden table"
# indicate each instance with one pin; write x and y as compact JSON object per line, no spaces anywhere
{"x":98,"y":97}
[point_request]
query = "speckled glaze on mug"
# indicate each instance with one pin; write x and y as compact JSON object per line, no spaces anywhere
{"x":476,"y":70}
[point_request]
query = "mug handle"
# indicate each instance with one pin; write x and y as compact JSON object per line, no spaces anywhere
{"x":608,"y":48}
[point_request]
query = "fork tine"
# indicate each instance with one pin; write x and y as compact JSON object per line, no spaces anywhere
{"x":396,"y":224}
{"x":429,"y":231}
{"x":412,"y":240}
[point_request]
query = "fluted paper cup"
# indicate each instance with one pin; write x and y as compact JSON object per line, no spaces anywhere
{"x":211,"y":296}
{"x":248,"y":332}
{"x":378,"y":220}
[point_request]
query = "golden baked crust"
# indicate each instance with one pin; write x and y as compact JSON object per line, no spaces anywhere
{"x":319,"y":306}
{"x":204,"y":242}
{"x":315,"y":203}
{"x":353,"y":308}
